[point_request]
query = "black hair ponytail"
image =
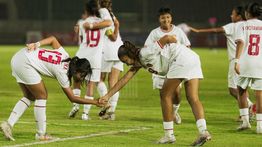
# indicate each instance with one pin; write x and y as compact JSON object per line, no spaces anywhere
{"x":78,"y":65}
{"x":254,"y":9}
{"x":240,"y":10}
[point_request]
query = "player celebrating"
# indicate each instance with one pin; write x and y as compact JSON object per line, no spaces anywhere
{"x":237,"y":17}
{"x":178,"y":63}
{"x":91,"y":49}
{"x":111,"y":64}
{"x":27,"y":65}
{"x":167,"y":28}
{"x":248,"y":63}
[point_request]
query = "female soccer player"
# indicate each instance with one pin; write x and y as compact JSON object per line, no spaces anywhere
{"x":110,"y":61}
{"x":248,"y":63}
{"x":111,"y":65}
{"x":91,"y":49}
{"x":178,"y":63}
{"x":237,"y":17}
{"x":167,"y":28}
{"x":27,"y":65}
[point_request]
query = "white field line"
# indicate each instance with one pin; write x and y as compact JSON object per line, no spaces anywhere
{"x":80,"y":137}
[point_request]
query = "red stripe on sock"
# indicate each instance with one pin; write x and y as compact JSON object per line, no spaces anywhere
{"x":168,"y":129}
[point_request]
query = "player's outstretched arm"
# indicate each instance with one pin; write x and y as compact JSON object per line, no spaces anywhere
{"x":47,"y":41}
{"x":208,"y":30}
{"x":120,"y":84}
{"x":75,"y":99}
{"x":100,"y":25}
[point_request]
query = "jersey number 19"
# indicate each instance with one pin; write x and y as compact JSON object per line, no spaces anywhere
{"x":92,"y":37}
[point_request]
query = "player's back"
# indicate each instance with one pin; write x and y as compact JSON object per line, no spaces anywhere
{"x":92,"y":44}
{"x":252,"y":55}
{"x":48,"y":62}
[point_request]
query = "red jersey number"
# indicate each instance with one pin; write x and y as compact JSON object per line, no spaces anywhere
{"x":253,"y":44}
{"x":52,"y":57}
{"x":92,"y":37}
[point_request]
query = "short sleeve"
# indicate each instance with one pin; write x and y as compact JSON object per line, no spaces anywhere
{"x":62,"y":79}
{"x":151,"y":49}
{"x":184,"y":40}
{"x":239,"y":32}
{"x":104,"y":13}
{"x":229,"y":29}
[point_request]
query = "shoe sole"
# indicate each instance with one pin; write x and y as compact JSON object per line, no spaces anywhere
{"x":203,"y":142}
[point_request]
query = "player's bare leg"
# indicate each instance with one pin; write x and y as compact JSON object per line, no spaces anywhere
{"x":77,"y":92}
{"x":112,"y":80}
{"x":191,"y":88}
{"x":89,"y":95}
{"x":243,"y":109}
{"x":167,"y":94}
{"x":176,"y":104}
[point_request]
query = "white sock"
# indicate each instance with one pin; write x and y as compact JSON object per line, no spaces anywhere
{"x":87,"y":107}
{"x":176,"y":107}
{"x":18,"y":110}
{"x":101,"y":88}
{"x":77,"y":92}
{"x":201,"y":125}
{"x":113,"y":102}
{"x":259,"y":121}
{"x":249,"y":103}
{"x":168,"y":128}
{"x":244,"y":115}
{"x":40,"y":116}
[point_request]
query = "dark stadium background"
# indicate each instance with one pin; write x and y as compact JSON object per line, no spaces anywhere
{"x":137,"y":18}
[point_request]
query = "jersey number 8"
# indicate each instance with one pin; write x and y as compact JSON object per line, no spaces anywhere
{"x":253,"y":45}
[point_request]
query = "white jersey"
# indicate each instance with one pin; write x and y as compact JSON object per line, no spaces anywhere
{"x":92,"y":44}
{"x":250,"y":61}
{"x":110,"y":48}
{"x":49,"y":63}
{"x":156,"y":58}
{"x":157,"y":33}
{"x":231,"y":46}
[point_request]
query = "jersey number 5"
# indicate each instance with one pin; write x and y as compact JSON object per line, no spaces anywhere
{"x":253,"y":45}
{"x":92,"y":37}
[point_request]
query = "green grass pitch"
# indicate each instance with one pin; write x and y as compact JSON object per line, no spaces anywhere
{"x":139,"y":106}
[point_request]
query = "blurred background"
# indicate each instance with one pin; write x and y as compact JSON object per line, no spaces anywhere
{"x":29,"y":20}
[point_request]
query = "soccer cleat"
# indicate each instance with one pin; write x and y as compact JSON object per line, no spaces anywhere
{"x":167,"y":140}
{"x":108,"y":116}
{"x":85,"y":116}
{"x":104,"y":110}
{"x":7,"y":130}
{"x":44,"y":137}
{"x":177,"y":118}
{"x":243,"y":127}
{"x":73,"y":112}
{"x":201,"y":139}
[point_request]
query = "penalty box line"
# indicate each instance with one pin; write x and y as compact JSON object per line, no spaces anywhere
{"x":80,"y":137}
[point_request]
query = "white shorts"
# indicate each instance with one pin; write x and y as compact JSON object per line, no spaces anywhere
{"x":23,"y":71}
{"x":254,"y":83}
{"x":186,"y":66}
{"x":108,"y":65}
{"x":232,"y":75}
{"x":158,"y":81}
{"x":95,"y":77}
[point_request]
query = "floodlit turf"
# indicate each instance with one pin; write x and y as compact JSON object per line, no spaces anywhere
{"x":139,"y":106}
